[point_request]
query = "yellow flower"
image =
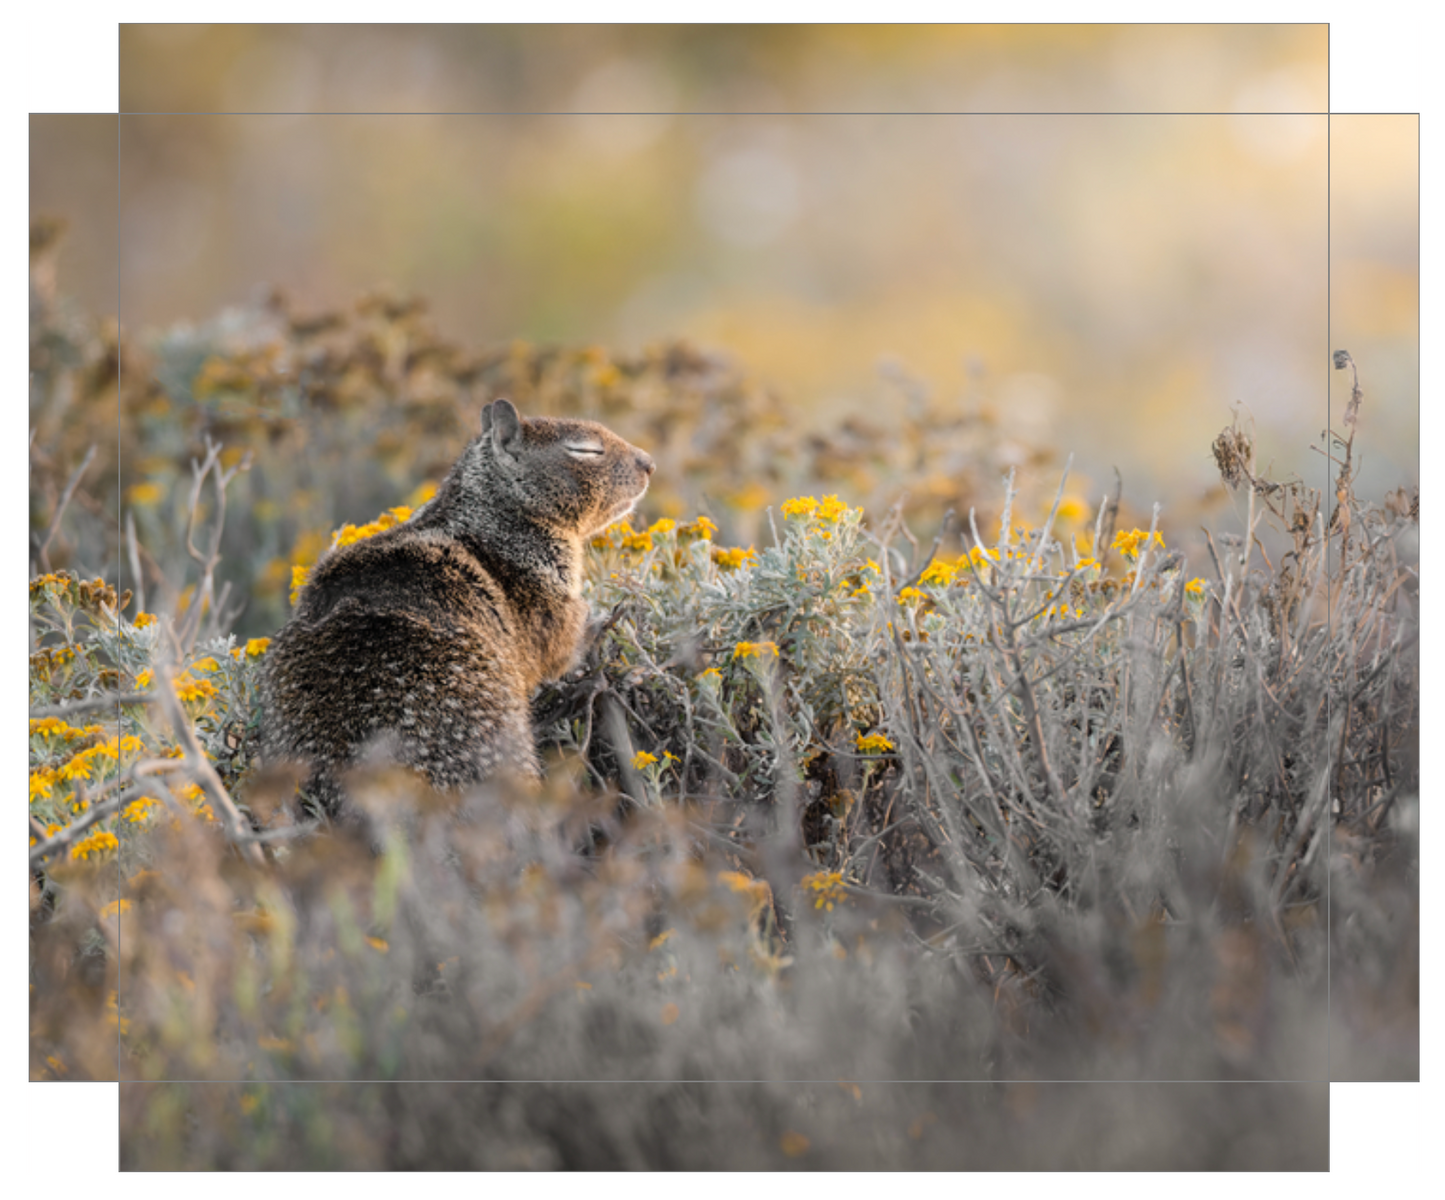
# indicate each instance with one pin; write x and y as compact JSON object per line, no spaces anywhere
{"x":1195,"y":587}
{"x":800,"y":506}
{"x":41,"y":784}
{"x":755,"y":650}
{"x":643,"y":759}
{"x":378,"y":944}
{"x":980,"y":557}
{"x":712,"y":675}
{"x":639,"y":543}
{"x":1088,"y":564}
{"x":299,"y":575}
{"x":665,"y":525}
{"x":348,"y":534}
{"x":873,"y":743}
{"x":114,"y":909}
{"x":1072,"y":510}
{"x":255,"y":647}
{"x":189,"y":690}
{"x":138,"y":810}
{"x":911,"y":593}
{"x":831,"y":508}
{"x":700,"y":528}
{"x":1128,"y":543}
{"x":97,"y":844}
{"x":826,"y":886}
{"x":205,"y":664}
{"x":734,"y":558}
{"x":143,"y":495}
{"x":144,"y":619}
{"x":143,"y":680}
{"x":939,"y":571}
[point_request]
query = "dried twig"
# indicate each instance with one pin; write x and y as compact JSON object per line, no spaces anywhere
{"x":43,"y":553}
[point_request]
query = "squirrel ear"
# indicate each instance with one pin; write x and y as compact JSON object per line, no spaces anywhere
{"x":500,"y":419}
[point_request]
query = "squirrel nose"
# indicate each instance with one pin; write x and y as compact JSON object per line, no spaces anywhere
{"x":645,"y":462}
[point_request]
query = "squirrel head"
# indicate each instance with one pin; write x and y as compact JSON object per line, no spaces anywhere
{"x":573,"y":477}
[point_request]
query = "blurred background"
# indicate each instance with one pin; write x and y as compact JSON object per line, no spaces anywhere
{"x":1135,"y":230}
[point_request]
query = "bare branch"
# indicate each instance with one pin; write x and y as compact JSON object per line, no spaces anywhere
{"x":43,"y":554}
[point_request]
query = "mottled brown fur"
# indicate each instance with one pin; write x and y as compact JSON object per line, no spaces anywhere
{"x":428,"y":640}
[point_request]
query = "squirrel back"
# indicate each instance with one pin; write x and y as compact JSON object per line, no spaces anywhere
{"x":430,"y":637}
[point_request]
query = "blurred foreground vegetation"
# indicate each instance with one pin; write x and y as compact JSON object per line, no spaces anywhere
{"x":1027,"y":801}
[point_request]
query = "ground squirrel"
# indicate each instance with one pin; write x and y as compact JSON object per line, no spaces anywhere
{"x":429,"y":638}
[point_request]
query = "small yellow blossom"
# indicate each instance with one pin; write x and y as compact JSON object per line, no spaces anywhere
{"x":638,"y":543}
{"x":1072,"y":510}
{"x":144,"y":619}
{"x":734,"y":558}
{"x":143,"y":680}
{"x":711,"y":675}
{"x":378,"y":944}
{"x":755,"y":650}
{"x":800,"y":506}
{"x":827,"y":888}
{"x":138,"y":810}
{"x":873,"y":743}
{"x":349,"y":534}
{"x":643,"y":759}
{"x":1128,"y":543}
{"x":205,"y":664}
{"x":114,"y":909}
{"x":299,"y":575}
{"x":143,"y":495}
{"x":831,"y":508}
{"x":96,"y":844}
{"x":189,"y":690}
{"x":665,"y":525}
{"x":701,"y":527}
{"x":1196,"y":587}
{"x":911,"y":593}
{"x":939,"y":572}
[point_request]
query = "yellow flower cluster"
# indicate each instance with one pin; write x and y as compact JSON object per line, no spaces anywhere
{"x":1128,"y":543}
{"x":138,"y":810}
{"x":873,"y":743}
{"x":254,"y":648}
{"x":81,"y":765}
{"x":827,"y":888}
{"x":734,"y":558}
{"x":143,"y":619}
{"x":54,"y":727}
{"x":189,"y":690}
{"x":348,"y":534}
{"x":829,"y":508}
{"x":757,"y":650}
{"x":96,"y":844}
{"x":643,"y":759}
{"x":1196,"y":588}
